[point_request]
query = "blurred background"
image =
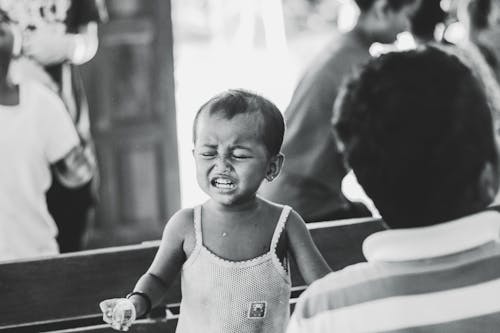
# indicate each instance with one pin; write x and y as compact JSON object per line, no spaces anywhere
{"x":159,"y":60}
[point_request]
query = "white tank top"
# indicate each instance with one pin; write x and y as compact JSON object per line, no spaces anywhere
{"x":220,"y":296}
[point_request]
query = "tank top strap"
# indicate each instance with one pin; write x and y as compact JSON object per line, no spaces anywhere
{"x":197,"y":225}
{"x":280,"y":226}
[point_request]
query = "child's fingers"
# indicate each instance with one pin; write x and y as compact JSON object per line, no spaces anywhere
{"x":124,"y":313}
{"x":107,"y":306}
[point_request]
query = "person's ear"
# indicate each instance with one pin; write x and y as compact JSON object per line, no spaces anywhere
{"x":337,"y":110}
{"x":488,"y":181}
{"x":274,"y":167}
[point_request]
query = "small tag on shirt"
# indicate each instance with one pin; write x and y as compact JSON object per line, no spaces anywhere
{"x":257,"y":310}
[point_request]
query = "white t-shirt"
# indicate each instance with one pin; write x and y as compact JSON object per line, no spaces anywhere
{"x":33,"y":135}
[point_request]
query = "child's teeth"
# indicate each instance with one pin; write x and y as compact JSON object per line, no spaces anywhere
{"x":224,"y":183}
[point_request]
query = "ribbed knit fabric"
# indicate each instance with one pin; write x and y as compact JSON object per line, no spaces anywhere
{"x":220,"y":296}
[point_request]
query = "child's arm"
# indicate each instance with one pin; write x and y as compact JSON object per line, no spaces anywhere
{"x":309,"y":260}
{"x":166,"y":264}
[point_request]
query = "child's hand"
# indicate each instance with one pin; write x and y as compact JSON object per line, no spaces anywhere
{"x":118,"y":312}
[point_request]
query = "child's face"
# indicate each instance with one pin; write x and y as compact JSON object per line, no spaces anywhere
{"x":231,"y":158}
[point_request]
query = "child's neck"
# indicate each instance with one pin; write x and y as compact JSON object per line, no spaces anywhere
{"x":251,"y":205}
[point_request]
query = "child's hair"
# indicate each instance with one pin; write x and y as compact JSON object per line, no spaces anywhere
{"x":233,"y":102}
{"x":365,"y":5}
{"x":417,"y":131}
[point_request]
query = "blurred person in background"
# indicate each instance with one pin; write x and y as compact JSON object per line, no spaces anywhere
{"x":480,"y":47}
{"x":52,"y":38}
{"x":416,"y":128}
{"x":426,"y":21}
{"x":311,"y":179}
{"x":482,"y":23}
{"x":36,"y":136}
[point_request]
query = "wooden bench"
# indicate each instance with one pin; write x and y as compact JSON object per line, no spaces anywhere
{"x":62,"y":293}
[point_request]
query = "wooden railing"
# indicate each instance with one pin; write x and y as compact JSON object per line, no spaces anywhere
{"x":62,"y":293}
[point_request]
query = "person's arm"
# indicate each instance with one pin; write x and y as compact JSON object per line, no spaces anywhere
{"x":76,"y":168}
{"x":166,"y":264}
{"x":84,"y":44}
{"x":310,"y":262}
{"x":73,"y":163}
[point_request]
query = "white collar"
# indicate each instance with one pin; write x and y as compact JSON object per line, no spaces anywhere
{"x":433,"y":241}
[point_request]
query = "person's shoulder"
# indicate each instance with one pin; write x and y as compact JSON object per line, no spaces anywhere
{"x":347,"y":44}
{"x":292,"y":216}
{"x":39,"y":94}
{"x":276,"y":207}
{"x":38,"y":89}
{"x":47,"y":104}
{"x":273,"y":208}
{"x":183,"y":214}
{"x":340,"y":279}
{"x":182,"y":220}
{"x":328,"y":293}
{"x":268,"y":204}
{"x":179,"y":226}
{"x":293,"y":219}
{"x":340,"y":55}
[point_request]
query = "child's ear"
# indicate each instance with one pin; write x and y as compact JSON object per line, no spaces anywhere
{"x":274,"y":166}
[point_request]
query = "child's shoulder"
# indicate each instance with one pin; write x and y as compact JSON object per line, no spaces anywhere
{"x":268,"y":204}
{"x":274,"y":208}
{"x":181,"y":222}
{"x":183,"y":214}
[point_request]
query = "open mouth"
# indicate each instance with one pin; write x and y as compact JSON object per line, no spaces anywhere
{"x":223,"y":183}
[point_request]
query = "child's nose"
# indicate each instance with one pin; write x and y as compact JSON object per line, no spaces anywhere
{"x":222,"y":164}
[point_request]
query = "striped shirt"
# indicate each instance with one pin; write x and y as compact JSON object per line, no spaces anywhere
{"x":442,"y":278}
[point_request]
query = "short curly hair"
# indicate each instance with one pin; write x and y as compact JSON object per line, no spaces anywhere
{"x":417,"y":130}
{"x":230,"y":103}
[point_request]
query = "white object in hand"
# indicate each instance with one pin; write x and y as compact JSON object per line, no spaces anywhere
{"x":118,"y":312}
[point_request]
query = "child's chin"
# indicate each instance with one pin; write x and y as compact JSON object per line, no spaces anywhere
{"x":224,"y":199}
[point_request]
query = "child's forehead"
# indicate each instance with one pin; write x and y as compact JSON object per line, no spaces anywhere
{"x":241,"y":127}
{"x":222,"y":114}
{"x":252,"y":122}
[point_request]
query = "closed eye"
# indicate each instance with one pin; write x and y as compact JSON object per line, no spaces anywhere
{"x":241,"y":157}
{"x":207,"y":154}
{"x":241,"y":153}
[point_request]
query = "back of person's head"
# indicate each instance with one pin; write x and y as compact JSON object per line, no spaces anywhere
{"x":231,"y":103}
{"x":417,"y":130}
{"x":365,"y":5}
{"x":426,"y":18}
